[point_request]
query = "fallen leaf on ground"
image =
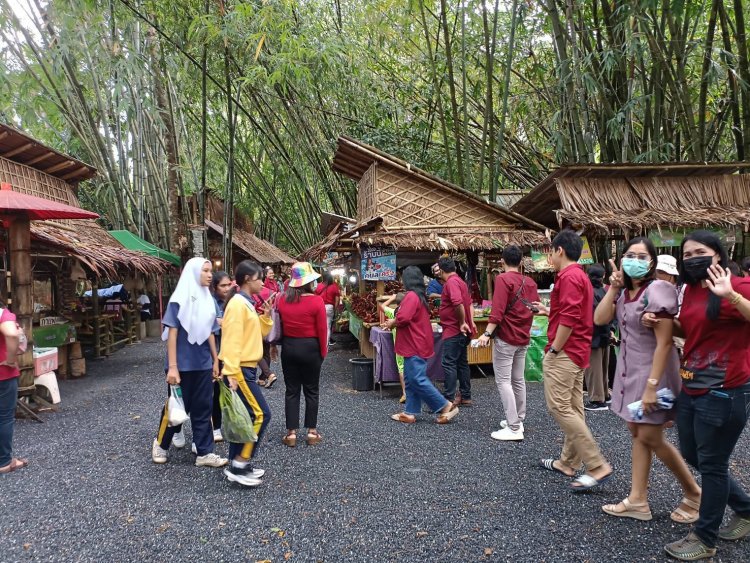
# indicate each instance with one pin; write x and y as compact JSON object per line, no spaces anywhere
{"x":287,"y":556}
{"x":27,"y":546}
{"x":421,"y":534}
{"x":488,"y":551}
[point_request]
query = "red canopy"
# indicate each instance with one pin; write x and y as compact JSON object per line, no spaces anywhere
{"x":37,"y":208}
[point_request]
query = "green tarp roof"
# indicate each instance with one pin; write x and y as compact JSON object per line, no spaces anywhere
{"x":134,"y":242}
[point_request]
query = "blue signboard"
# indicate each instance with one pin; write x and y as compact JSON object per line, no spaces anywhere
{"x":378,"y":263}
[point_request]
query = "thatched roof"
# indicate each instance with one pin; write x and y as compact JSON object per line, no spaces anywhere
{"x":256,"y":248}
{"x":94,"y":247}
{"x":372,"y":233}
{"x":634,"y":198}
{"x":19,"y":147}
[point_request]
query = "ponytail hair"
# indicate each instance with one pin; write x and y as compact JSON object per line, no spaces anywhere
{"x":413,"y":280}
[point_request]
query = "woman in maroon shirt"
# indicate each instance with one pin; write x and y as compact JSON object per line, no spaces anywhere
{"x":303,"y":349}
{"x":415,"y":343}
{"x":715,"y":398}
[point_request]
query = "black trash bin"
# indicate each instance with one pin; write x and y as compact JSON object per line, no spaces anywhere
{"x":362,"y":379}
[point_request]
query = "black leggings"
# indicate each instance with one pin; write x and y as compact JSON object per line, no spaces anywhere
{"x":300,"y":362}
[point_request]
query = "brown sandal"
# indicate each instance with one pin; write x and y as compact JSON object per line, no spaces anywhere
{"x":683,"y":516}
{"x":290,"y":439}
{"x":403,"y":417}
{"x":314,"y":438}
{"x":15,"y":463}
{"x":446,"y":417}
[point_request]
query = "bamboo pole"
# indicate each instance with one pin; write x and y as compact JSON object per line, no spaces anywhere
{"x":19,"y":243}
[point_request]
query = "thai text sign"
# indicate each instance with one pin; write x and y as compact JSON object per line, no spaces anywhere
{"x":378,"y":263}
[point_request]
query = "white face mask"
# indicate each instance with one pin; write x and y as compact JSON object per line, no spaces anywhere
{"x":314,"y":285}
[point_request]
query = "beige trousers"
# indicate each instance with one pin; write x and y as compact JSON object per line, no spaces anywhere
{"x":563,"y":391}
{"x":597,"y":375}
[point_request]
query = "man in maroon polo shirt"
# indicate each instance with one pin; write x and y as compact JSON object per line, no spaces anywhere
{"x":457,"y":320}
{"x":571,"y":326}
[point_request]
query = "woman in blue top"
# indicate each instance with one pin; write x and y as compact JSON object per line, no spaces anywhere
{"x":192,"y":361}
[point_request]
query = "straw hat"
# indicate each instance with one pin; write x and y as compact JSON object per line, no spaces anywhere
{"x":302,"y":274}
{"x":667,"y":264}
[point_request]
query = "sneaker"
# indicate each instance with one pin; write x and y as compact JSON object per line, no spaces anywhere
{"x":158,"y":454}
{"x":217,"y":435}
{"x":689,"y":548}
{"x":210,"y":460}
{"x":507,"y":435}
{"x":194,"y":449}
{"x":737,"y":528}
{"x":242,"y":475}
{"x":609,"y":400}
{"x":178,"y":440}
{"x":595,"y":406}
{"x":504,"y":424}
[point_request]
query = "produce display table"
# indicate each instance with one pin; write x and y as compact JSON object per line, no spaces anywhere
{"x":385,"y":370}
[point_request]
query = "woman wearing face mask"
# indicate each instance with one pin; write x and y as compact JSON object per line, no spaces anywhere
{"x":191,"y":361}
{"x":647,"y":362}
{"x":712,"y":408}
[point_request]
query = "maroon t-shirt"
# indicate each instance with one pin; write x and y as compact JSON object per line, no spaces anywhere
{"x":6,"y":372}
{"x":717,"y":353}
{"x":455,"y":292}
{"x":572,"y":305}
{"x":414,"y":334}
{"x":329,"y":293}
{"x":305,"y":319}
{"x":514,"y":324}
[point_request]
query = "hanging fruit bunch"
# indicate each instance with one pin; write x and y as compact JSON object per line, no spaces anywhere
{"x":393,"y":287}
{"x":365,"y":306}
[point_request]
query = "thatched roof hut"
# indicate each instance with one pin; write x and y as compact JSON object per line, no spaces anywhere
{"x":401,"y":206}
{"x":632,"y":198}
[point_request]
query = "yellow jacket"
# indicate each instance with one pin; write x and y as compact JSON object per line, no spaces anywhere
{"x":242,"y":332}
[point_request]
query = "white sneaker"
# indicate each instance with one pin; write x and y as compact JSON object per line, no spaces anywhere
{"x":194,"y":449}
{"x":217,"y":435}
{"x":178,"y":440}
{"x":504,"y":424}
{"x":158,"y":454}
{"x":507,"y":435}
{"x":242,"y":476}
{"x":210,"y":460}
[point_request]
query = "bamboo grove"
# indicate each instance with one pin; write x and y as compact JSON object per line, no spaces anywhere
{"x":174,"y":99}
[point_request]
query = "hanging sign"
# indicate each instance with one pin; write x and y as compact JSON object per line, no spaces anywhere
{"x":378,"y":263}
{"x":586,"y":256}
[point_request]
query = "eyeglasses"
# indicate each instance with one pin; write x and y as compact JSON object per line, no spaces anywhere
{"x":634,"y":256}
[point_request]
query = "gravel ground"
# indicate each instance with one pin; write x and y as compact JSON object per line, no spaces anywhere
{"x":375,"y":490}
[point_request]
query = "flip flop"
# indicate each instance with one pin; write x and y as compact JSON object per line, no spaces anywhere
{"x":684,"y":517}
{"x":15,"y":463}
{"x":549,"y":465}
{"x":587,"y":483}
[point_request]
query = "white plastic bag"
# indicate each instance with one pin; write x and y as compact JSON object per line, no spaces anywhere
{"x":175,"y":406}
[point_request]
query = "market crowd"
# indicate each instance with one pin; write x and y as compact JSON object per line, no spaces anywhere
{"x":682,"y":329}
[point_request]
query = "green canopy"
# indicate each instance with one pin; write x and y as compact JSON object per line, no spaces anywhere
{"x":134,"y":242}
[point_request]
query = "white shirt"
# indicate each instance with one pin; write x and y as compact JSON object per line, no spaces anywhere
{"x":144,"y":300}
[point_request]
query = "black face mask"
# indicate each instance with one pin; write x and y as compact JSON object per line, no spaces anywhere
{"x":696,"y":269}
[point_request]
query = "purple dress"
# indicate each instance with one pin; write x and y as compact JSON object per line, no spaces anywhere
{"x":637,"y":350}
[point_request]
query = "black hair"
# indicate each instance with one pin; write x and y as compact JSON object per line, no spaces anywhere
{"x":247,"y":269}
{"x":734,"y":267}
{"x":293,"y":294}
{"x":570,"y":242}
{"x":327,"y":278}
{"x":712,"y":241}
{"x":596,"y":274}
{"x":512,"y":255}
{"x":413,"y":280}
{"x":446,"y":264}
{"x":651,"y":252}
{"x":746,"y":264}
{"x":217,"y":278}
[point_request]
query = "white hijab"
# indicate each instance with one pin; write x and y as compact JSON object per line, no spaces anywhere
{"x":197,"y":312}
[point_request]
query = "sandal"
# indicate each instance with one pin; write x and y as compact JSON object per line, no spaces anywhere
{"x":549,"y":465}
{"x":15,"y":463}
{"x":314,"y":438}
{"x":446,"y":417}
{"x":290,"y":439}
{"x":684,"y":517}
{"x":270,"y":380}
{"x":630,"y":510}
{"x":586,"y":482}
{"x":403,"y":417}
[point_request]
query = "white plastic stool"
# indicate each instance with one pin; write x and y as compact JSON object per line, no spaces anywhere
{"x":49,"y":381}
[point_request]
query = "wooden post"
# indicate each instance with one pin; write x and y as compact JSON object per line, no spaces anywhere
{"x":96,"y":325}
{"x":380,"y":288}
{"x":19,"y":242}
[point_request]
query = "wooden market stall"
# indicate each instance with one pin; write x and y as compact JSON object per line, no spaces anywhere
{"x":618,"y":201}
{"x":62,"y":255}
{"x":245,"y":245}
{"x":420,"y":217}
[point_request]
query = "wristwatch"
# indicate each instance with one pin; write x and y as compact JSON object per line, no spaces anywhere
{"x":552,"y":350}
{"x":487,"y":334}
